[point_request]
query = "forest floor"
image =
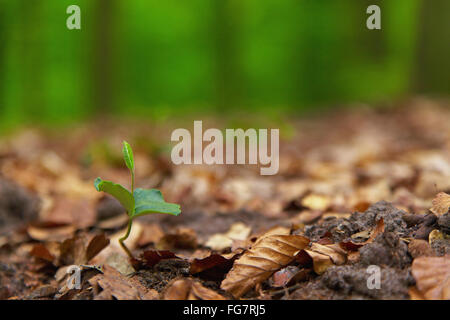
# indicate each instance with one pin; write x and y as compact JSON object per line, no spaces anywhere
{"x":350,"y":215}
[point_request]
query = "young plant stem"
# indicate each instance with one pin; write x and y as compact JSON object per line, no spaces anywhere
{"x":121,"y":240}
{"x":132,"y":181}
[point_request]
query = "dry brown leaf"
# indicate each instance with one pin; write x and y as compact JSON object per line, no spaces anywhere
{"x":152,"y":233}
{"x":189,"y":289}
{"x":432,"y":276}
{"x":214,"y":266}
{"x":270,"y":253}
{"x":325,"y":256}
{"x":78,"y":250}
{"x":287,"y":276}
{"x":415,"y":294}
{"x":316,"y":202}
{"x":182,"y":238}
{"x":307,"y":217}
{"x":441,"y":204}
{"x":121,"y":287}
{"x":220,"y":241}
{"x":41,"y":252}
{"x":69,"y":209}
{"x":50,"y":233}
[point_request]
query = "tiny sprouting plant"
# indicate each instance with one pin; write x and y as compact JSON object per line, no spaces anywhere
{"x":136,"y":202}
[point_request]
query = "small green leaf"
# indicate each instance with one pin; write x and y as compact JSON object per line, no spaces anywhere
{"x":149,"y":201}
{"x":117,"y":191}
{"x":128,"y":156}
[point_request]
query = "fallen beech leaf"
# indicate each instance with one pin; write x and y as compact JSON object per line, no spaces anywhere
{"x":325,"y":256}
{"x":120,"y":262}
{"x":122,"y":287}
{"x":96,"y":245}
{"x":432,"y":276}
{"x":152,"y":233}
{"x":350,"y":245}
{"x":361,"y":206}
{"x":43,"y":291}
{"x":316,"y":202}
{"x":220,"y":241}
{"x":151,"y":257}
{"x":78,"y":250}
{"x":41,"y":252}
{"x":71,"y":209}
{"x":269,"y":254}
{"x":441,"y":204}
{"x":415,"y":294}
{"x":183,"y":238}
{"x":307,"y":216}
{"x":189,"y":289}
{"x":50,"y":232}
{"x":288,"y":276}
{"x":213,"y":267}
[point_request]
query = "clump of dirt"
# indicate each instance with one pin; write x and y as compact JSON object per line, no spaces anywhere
{"x":343,"y":228}
{"x":16,"y":205}
{"x":444,"y":222}
{"x":162,"y":273}
{"x":423,"y":229}
{"x":441,"y":247}
{"x":386,"y":250}
{"x":351,"y":282}
{"x":12,"y":280}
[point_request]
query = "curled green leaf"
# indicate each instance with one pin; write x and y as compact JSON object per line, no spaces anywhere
{"x":128,"y":155}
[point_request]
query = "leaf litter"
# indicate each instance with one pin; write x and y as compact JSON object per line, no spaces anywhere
{"x":356,"y":189}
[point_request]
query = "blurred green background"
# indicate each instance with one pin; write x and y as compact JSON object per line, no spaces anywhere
{"x":164,"y":58}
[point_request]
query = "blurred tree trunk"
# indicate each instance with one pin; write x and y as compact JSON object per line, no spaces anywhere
{"x":228,"y":81}
{"x":104,"y":60}
{"x":433,"y":52}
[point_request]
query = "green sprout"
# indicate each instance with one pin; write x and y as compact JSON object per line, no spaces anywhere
{"x":136,"y":202}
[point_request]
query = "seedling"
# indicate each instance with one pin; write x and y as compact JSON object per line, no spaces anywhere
{"x":136,"y":202}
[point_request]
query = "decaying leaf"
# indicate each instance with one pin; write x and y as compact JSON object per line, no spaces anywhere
{"x":288,"y":276}
{"x":182,"y":238}
{"x":214,"y":266}
{"x":270,"y":253}
{"x":441,"y":204}
{"x":152,"y":233}
{"x":151,"y":257}
{"x":189,"y":289}
{"x":220,"y":241}
{"x":78,"y":250}
{"x":432,"y":276}
{"x":41,"y":252}
{"x":369,"y":235}
{"x":121,"y":287}
{"x":316,"y":202}
{"x":50,"y":232}
{"x":325,"y":256}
